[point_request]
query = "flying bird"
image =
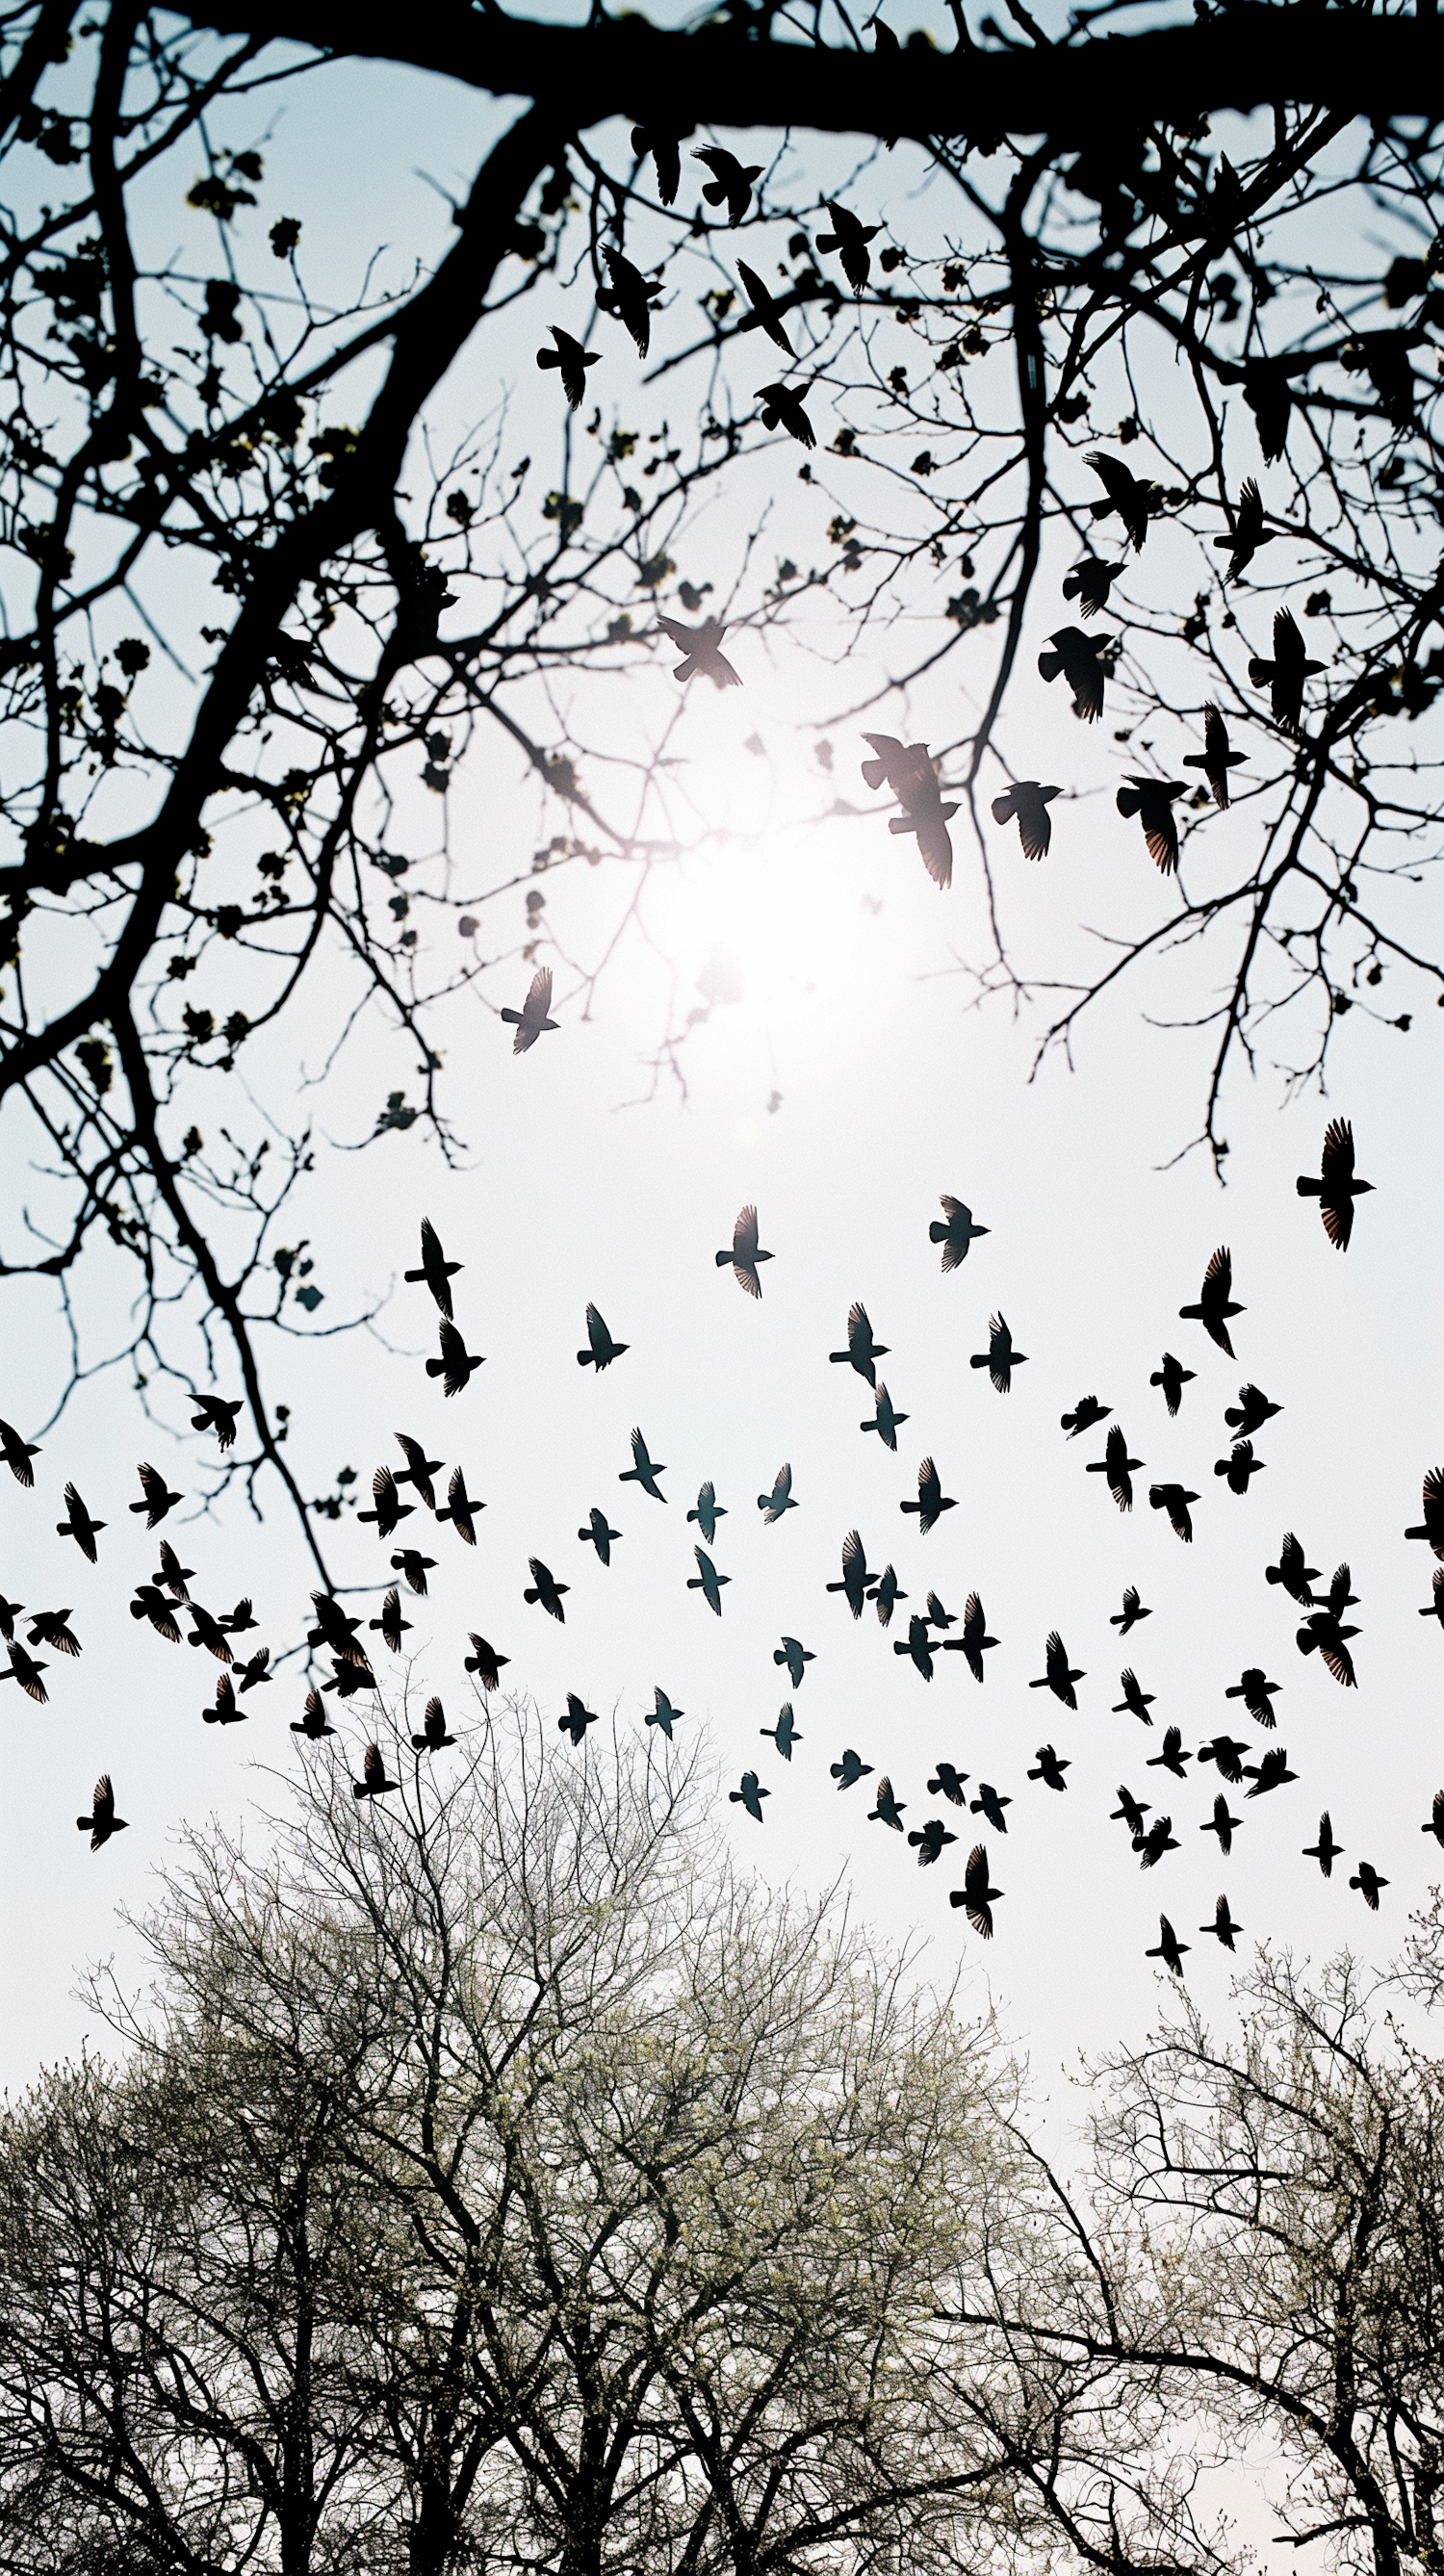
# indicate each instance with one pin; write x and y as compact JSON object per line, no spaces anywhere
{"x":236,"y":1622}
{"x":1222,"y":1824}
{"x":708,"y":1511}
{"x":784,"y":1734}
{"x":51,"y":1628}
{"x":1130,"y":1811}
{"x":1223,"y":1925}
{"x":1256,"y":1694}
{"x":644,"y":1470}
{"x":208,"y":1632}
{"x":1247,"y":536}
{"x":534,"y":1017}
{"x":102,"y":1820}
{"x":975,"y":1894}
{"x":156,"y":1497}
{"x":783,"y":403}
{"x":571,"y":361}
{"x":1136,"y":1701}
{"x":1085,"y":1413}
{"x":1434,"y":1606}
{"x":1272,"y":1773}
{"x":1026,"y":803}
{"x":347,"y":1679}
{"x":1251,"y":1412}
{"x":436,"y":1271}
{"x":1127,"y":497}
{"x":1292,"y":1573}
{"x":1216,"y":1307}
{"x":461,"y":1509}
{"x":974,"y":1641}
{"x":1172,"y":1758}
{"x":1325,"y":1851}
{"x":990,"y":1802}
{"x":389,"y":1508}
{"x":545,"y":1589}
{"x":1000,"y":1358}
{"x":1431,"y":1528}
{"x":850,"y":239}
{"x":416,"y":1567}
{"x":730,"y":183}
{"x":150,"y":1603}
{"x":312,"y":1722}
{"x":664,"y":1714}
{"x":1130,"y":1614}
{"x":1152,"y":1845}
{"x":599,"y":1535}
{"x":79,"y":1525}
{"x":1051,"y":1767}
{"x":1173,"y":1379}
{"x":17,"y":1454}
{"x":795,"y":1657}
{"x":1336,"y":1187}
{"x":373,"y":1782}
{"x":219,"y":1414}
{"x":662,"y":142}
{"x":1239,"y":1465}
{"x":1090,"y":582}
{"x":1118,"y":1467}
{"x":957,"y":1232}
{"x":456,"y":1365}
{"x":1216,"y":758}
{"x":391,"y":1624}
{"x":937,"y":1615}
{"x":764,"y":309}
{"x":433,"y":1738}
{"x":224,"y":1712}
{"x":1152,"y":800}
{"x":929,"y":1841}
{"x":887,"y":1420}
{"x":1434,"y":1822}
{"x":744,"y":1255}
{"x":578,"y":1718}
{"x":862,"y":1351}
{"x":1368,"y":1882}
{"x":885,"y":1593}
{"x":907,"y":769}
{"x":418,"y":1470}
{"x":750,"y":1795}
{"x":1081,"y":659}
{"x":889,"y":1810}
{"x":1227,"y":1751}
{"x":918,"y":1645}
{"x":700,"y":648}
{"x":334,"y":1628}
{"x":1322,"y":1632}
{"x":780,"y":1500}
{"x":630,"y":298}
{"x":1285,"y":675}
{"x":26,"y":1671}
{"x":932,"y":1502}
{"x":1058,"y":1677}
{"x":602,"y":1349}
{"x":850,"y":1770}
{"x":707,"y":1580}
{"x":948,"y":1783}
{"x":855,"y":1576}
{"x":486,"y":1663}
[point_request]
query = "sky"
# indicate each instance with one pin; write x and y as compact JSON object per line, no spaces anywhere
{"x":848,"y":1087}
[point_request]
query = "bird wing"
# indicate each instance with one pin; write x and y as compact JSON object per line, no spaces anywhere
{"x":744,"y":1237}
{"x":537,"y":1005}
{"x":1218,"y":1277}
{"x":1338,"y":1156}
{"x":373,"y":1768}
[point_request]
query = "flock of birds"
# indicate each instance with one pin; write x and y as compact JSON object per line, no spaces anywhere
{"x":165,"y":1601}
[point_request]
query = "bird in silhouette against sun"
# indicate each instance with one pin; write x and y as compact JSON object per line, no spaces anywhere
{"x":1130,"y":1811}
{"x":1228,"y":1752}
{"x":1152,"y":800}
{"x":784,"y":1734}
{"x":1152,"y":1845}
{"x":932,"y":1502}
{"x":1248,"y":533}
{"x":863,"y":1351}
{"x":1251,"y":1412}
{"x":150,"y":1603}
{"x":436,"y":1271}
{"x":1128,"y":499}
{"x":1000,"y":1358}
{"x":795,"y":1657}
{"x":601,"y":1350}
{"x":731,"y":183}
{"x":1431,"y":1528}
{"x":571,"y":361}
{"x":889,"y":1809}
{"x":1292,"y":1573}
{"x":700,"y":648}
{"x":1216,"y":758}
{"x":974,"y":1641}
{"x":52,"y":1628}
{"x":850,"y":238}
{"x":1272,"y":1773}
{"x":1083,"y":661}
{"x":750,"y":1795}
{"x":1256,"y":1693}
{"x":1051,"y":1767}
{"x":599,"y":1535}
{"x":418,"y":1470}
{"x":26,"y":1671}
{"x":975,"y":1895}
{"x":1058,"y":1677}
{"x":707,"y":1511}
{"x":764,"y":309}
{"x":79,"y":1525}
{"x":17,"y":1454}
{"x":373,"y":1782}
{"x":1170,"y":1949}
{"x":486,"y":1663}
{"x":1337,"y":1185}
{"x":744,"y":1255}
{"x":1323,"y":1634}
{"x":644,"y":1470}
{"x":1173,"y":1378}
{"x":534,"y":1018}
{"x":391,"y":1624}
{"x":1175,"y":1500}
{"x":102,"y":1820}
{"x":1238,"y":1466}
{"x":661,"y":141}
{"x":930,"y":1840}
{"x":1136,"y":1701}
{"x":990,"y":1802}
{"x":1222,"y":1824}
{"x":1434,"y":1821}
{"x":416,"y":1567}
{"x":947,"y":1782}
{"x":885,"y":1593}
{"x":907,"y":769}
{"x":1368,"y":1882}
{"x":219,"y":1414}
{"x":937,"y":1616}
{"x":1216,"y":1307}
{"x":1130,"y":1614}
{"x":919,"y":1645}
{"x":1090,"y":583}
{"x":577,"y":1719}
{"x":456,"y":1366}
{"x":780,"y":1500}
{"x":312,"y":1722}
{"x":1224,"y":1924}
{"x":1285,"y":675}
{"x":629,"y":298}
{"x":1026,"y":803}
{"x":461,"y":1509}
{"x":157,"y":1499}
{"x":850,"y":1769}
{"x":1085,"y":1413}
{"x":783,"y":404}
{"x":886,"y":1421}
{"x":957,"y":1231}
{"x":433,"y":1737}
{"x":388,"y":1506}
{"x":707,"y":1580}
{"x":225,"y":1711}
{"x":1118,"y":1467}
{"x":662,"y":1713}
{"x":545,"y":1589}
{"x":1325,"y":1851}
{"x":1172,"y":1757}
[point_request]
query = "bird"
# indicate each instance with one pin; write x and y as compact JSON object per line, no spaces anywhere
{"x":1136,"y":1701}
{"x":602,"y":1350}
{"x":1216,"y":1306}
{"x":744,"y":1255}
{"x":957,"y":1232}
{"x":975,"y":1895}
{"x":1216,"y":758}
{"x":707,"y":1580}
{"x":990,"y":1802}
{"x":1130,"y":1614}
{"x":974,"y":1641}
{"x":937,"y":1616}
{"x":644,"y":1470}
{"x":571,"y":361}
{"x":436,"y":1271}
{"x":999,"y":1359}
{"x":885,"y":1593}
{"x":889,"y":1809}
{"x":416,"y":1567}
{"x":17,"y":1454}
{"x":373,"y":1782}
{"x":764,"y":309}
{"x":534,"y":1018}
{"x":630,"y":298}
{"x":1227,"y":1751}
{"x":51,"y":1628}
{"x":663,"y":1714}
{"x":1172,"y":1758}
{"x":486,"y":1663}
{"x":389,"y":1508}
{"x":391,"y":1624}
{"x":1051,"y":1767}
{"x":1126,"y":496}
{"x":1222,"y":1824}
{"x":1321,"y":1631}
{"x":433,"y":1738}
{"x":908,"y":770}
{"x":662,"y":141}
{"x":783,"y":403}
{"x":855,"y":1576}
{"x":1026,"y":803}
{"x":156,"y":1498}
{"x":784,"y":1734}
{"x":1085,"y":1413}
{"x":862,"y":1350}
{"x":418,"y":1470}
{"x":1223,"y":1925}
{"x":1434,"y":1606}
{"x":1431,"y":1528}
{"x":1090,"y":582}
{"x":26,"y":1671}
{"x":150,"y":1603}
{"x":1058,"y":1677}
{"x":850,"y":1769}
{"x":236,"y":1622}
{"x":578,"y":1718}
{"x":102,"y":1820}
{"x":928,"y":1842}
{"x":1247,"y":536}
{"x":699,"y":647}
{"x":1118,"y":1467}
{"x":461,"y":1509}
{"x":932,"y":1502}
{"x":1152,"y":799}
{"x":1239,"y":1465}
{"x":750,"y":1795}
{"x":1285,"y":675}
{"x":347,"y":1679}
{"x":1130,"y":1811}
{"x":334,"y":1628}
{"x":1173,"y":1379}
{"x":1172,"y":1951}
{"x":208,"y":1632}
{"x":1152,"y":1845}
{"x":225,"y":1711}
{"x":79,"y":1525}
{"x":312,"y":1721}
{"x":850,"y":238}
{"x":1368,"y":1882}
{"x":919,"y":1645}
{"x":456,"y":1365}
{"x":1256,"y":1693}
{"x":1325,"y":1851}
{"x":219,"y":1414}
{"x":795,"y":1657}
{"x":948,"y":1783}
{"x":780,"y":1500}
{"x":730,"y":183}
{"x":1272,"y":1773}
{"x":10,"y":1611}
{"x":599,"y":1534}
{"x":1336,"y":1187}
{"x":886,"y":1420}
{"x":708,"y":1511}
{"x":1292,"y":1573}
{"x":1434,"y":1822}
{"x":544,"y":1588}
{"x":1081,"y":659}
{"x":1251,"y":1412}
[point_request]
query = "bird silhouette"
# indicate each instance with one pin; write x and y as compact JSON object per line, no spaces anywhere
{"x":1152,"y":1845}
{"x":157,"y":1499}
{"x":850,"y":1770}
{"x":1026,"y":803}
{"x":1222,"y":1824}
{"x":730,"y":183}
{"x":436,"y":1271}
{"x":51,"y":1628}
{"x":707,"y":1580}
{"x":750,"y":1795}
{"x":1336,"y":1187}
{"x":1172,"y":1757}
{"x":975,"y":1895}
{"x":1251,"y":1412}
{"x":937,"y":1616}
{"x":416,"y":1567}
{"x":545,"y":1589}
{"x":456,"y":1365}
{"x":885,"y":1593}
{"x":10,"y":1611}
{"x":599,"y":1535}
{"x":1227,"y":1751}
{"x":312,"y":1722}
{"x":708,"y":1511}
{"x":1434,"y":1822}
{"x":1118,"y":1467}
{"x":1173,"y":1379}
{"x":956,"y":1233}
{"x":1248,"y":534}
{"x":795,"y":1657}
{"x":334,"y":1628}
{"x":219,"y":1414}
{"x":663,"y":1714}
{"x":850,"y":239}
{"x":1085,"y":1413}
{"x":1000,"y":1358}
{"x":784,"y":1734}
{"x":700,"y":648}
{"x":17,"y":1454}
{"x":1136,"y":1701}
{"x":1216,"y":758}
{"x":236,"y":1622}
{"x":764,"y":309}
{"x":486,"y":1663}
{"x":932,"y":1502}
{"x":602,"y":1349}
{"x":79,"y":1525}
{"x":1239,"y":1466}
{"x":433,"y":1738}
{"x":208,"y":1632}
{"x":1256,"y":1694}
{"x":150,"y":1603}
{"x":644,"y":1470}
{"x":1285,"y":675}
{"x":889,"y":1810}
{"x":1223,"y":1925}
{"x":26,"y":1671}
{"x":534,"y":1018}
{"x":1272,"y":1773}
{"x":224,"y":1712}
{"x":418,"y":1470}
{"x":1431,"y":1528}
{"x":1434,"y":1606}
{"x":886,"y":1421}
{"x":630,"y":298}
{"x":461,"y":1508}
{"x":1325,"y":1851}
{"x":662,"y":142}
{"x":1130,"y":1614}
{"x":990,"y":1802}
{"x":1152,"y":800}
{"x":1127,"y":498}
{"x":1081,"y":659}
{"x":254,"y":1671}
{"x":907,"y":769}
{"x":928,"y":1842}
{"x":1051,"y":1767}
{"x":347,"y":1679}
{"x":855,"y":1576}
{"x":1292,"y":1573}
{"x":391,"y":1624}
{"x":578,"y":1718}
{"x":571,"y":361}
{"x":974,"y":1641}
{"x":1322,"y":1633}
{"x":102,"y":1820}
{"x":918,"y":1645}
{"x":780,"y":1500}
{"x":373,"y":1782}
{"x":389,"y":1508}
{"x":1216,"y":1306}
{"x":947,"y":1782}
{"x":744,"y":1255}
{"x":1058,"y":1677}
{"x":862,"y":1352}
{"x":1368,"y":1882}
{"x":1090,"y":583}
{"x":1130,"y":1811}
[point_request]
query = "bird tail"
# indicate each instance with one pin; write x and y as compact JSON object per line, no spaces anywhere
{"x":513,"y":1019}
{"x":1128,"y":800}
{"x":873,"y":773}
{"x":586,"y":1359}
{"x":1101,"y":509}
{"x":937,"y":1231}
{"x":1260,"y":673}
{"x":434,"y":1368}
{"x":86,"y":1824}
{"x":544,"y":358}
{"x":978,"y":1360}
{"x":1049,"y":665}
{"x":723,"y":1260}
{"x":1307,"y":1189}
{"x":901,"y":823}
